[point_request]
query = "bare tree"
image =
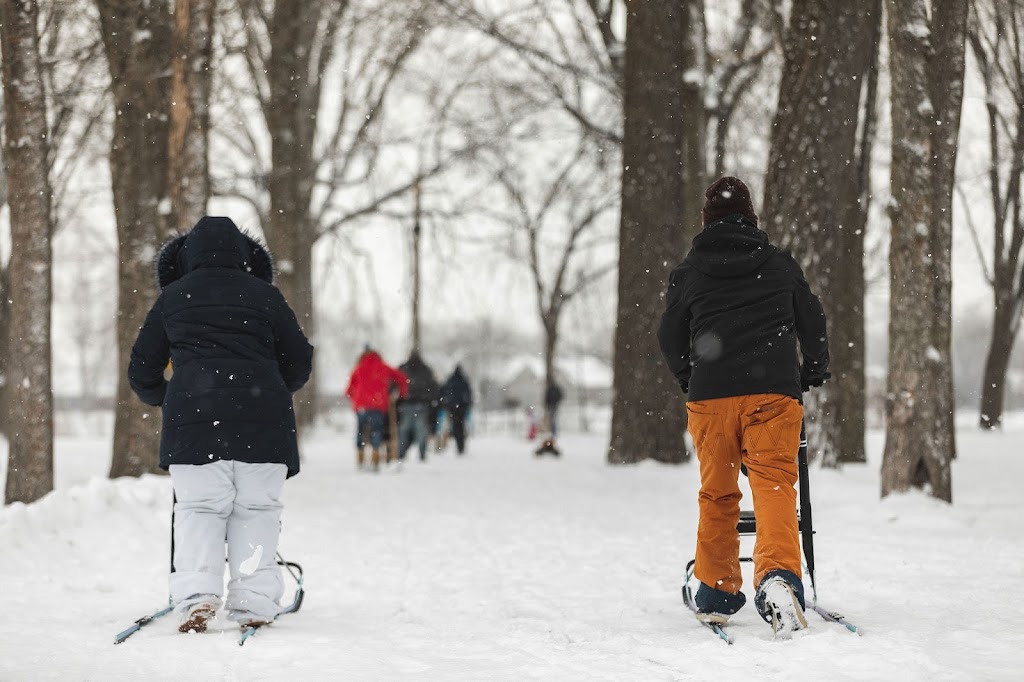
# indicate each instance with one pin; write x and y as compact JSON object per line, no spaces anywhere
{"x":811,"y":197}
{"x":188,"y":176}
{"x":927,"y":67}
{"x":996,"y":36}
{"x":663,"y":161}
{"x":732,"y":71}
{"x":556,"y":227}
{"x":305,"y":58}
{"x":28,"y":295}
{"x":136,"y":40}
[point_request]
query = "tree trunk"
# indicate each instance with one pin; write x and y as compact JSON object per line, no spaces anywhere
{"x":5,"y":344}
{"x":30,"y":395}
{"x":550,"y":323}
{"x":191,"y":53}
{"x":996,"y":363}
{"x":919,"y":404}
{"x":291,"y":120}
{"x":811,"y":200}
{"x":662,"y":180}
{"x":136,"y":39}
{"x":946,"y":90}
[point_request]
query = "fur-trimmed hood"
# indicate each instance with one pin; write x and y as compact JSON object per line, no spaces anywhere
{"x":213,"y":242}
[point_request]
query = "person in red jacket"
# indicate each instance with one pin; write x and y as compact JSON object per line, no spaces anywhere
{"x":369,"y":391}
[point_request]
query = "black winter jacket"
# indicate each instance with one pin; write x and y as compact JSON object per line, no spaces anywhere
{"x":423,"y":387}
{"x":456,"y":395}
{"x":735,"y":309}
{"x":236,"y":349}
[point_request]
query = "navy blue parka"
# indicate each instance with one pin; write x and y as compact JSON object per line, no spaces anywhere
{"x":237,"y":351}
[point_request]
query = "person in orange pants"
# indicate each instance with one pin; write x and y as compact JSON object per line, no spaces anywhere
{"x":736,"y":309}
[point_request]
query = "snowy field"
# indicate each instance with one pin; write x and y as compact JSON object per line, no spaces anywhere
{"x":498,"y":566}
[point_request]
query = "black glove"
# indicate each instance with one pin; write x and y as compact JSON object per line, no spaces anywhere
{"x":815,"y":379}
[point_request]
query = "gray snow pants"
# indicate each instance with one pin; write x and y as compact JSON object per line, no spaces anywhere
{"x":238,"y":501}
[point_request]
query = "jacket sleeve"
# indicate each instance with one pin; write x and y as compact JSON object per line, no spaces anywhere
{"x":150,"y":355}
{"x":810,"y":329}
{"x":294,"y":353}
{"x":402,"y":381}
{"x":674,"y":331}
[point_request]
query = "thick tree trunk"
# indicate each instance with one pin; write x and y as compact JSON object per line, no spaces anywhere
{"x":291,"y":120}
{"x":946,"y":90}
{"x":30,"y":394}
{"x":919,"y":439}
{"x":662,"y":181}
{"x":191,"y":53}
{"x":811,"y":195}
{"x":136,"y":38}
{"x":997,"y":362}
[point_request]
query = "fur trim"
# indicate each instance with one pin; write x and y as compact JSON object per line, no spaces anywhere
{"x":170,"y":268}
{"x":168,"y":265}
{"x":260,"y":262}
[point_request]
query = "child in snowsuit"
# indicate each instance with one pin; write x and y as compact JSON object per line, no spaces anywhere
{"x":369,"y":391}
{"x":735,"y":309}
{"x":228,"y":437}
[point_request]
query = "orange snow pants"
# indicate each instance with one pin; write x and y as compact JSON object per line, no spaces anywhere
{"x":763,"y":432}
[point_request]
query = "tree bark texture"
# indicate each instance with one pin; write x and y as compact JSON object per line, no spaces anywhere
{"x":291,"y":119}
{"x":137,"y":42}
{"x":926,"y":63}
{"x":188,"y":155}
{"x":811,"y":199}
{"x":662,"y":183}
{"x":27,"y":301}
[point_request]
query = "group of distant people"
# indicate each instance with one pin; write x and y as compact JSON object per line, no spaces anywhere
{"x":396,"y":408}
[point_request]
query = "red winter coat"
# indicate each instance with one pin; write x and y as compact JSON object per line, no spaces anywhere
{"x":369,"y":383}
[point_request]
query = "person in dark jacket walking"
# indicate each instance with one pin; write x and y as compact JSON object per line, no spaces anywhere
{"x":414,"y":409}
{"x":736,"y":309}
{"x":228,"y":438}
{"x":457,"y":399}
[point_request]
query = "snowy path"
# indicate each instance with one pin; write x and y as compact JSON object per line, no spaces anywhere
{"x":501,"y":567}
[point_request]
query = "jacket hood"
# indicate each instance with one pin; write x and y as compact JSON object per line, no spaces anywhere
{"x":730,"y":247}
{"x":213,"y":242}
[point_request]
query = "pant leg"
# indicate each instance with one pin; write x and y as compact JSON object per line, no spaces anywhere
{"x":204,"y":497}
{"x":421,"y":430}
{"x":254,"y":528}
{"x":377,"y":421}
{"x":771,"y":440}
{"x":406,"y":428}
{"x":714,"y":426}
{"x":458,"y":429}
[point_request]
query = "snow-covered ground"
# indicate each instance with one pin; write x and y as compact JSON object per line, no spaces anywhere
{"x":498,"y":566}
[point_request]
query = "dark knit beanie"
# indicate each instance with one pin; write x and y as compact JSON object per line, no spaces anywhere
{"x":727,"y":196}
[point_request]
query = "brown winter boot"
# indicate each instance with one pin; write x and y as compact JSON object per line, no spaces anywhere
{"x":198,"y":616}
{"x":360,"y":457}
{"x":375,"y":459}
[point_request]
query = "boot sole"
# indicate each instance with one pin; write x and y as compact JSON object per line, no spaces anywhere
{"x":783,"y":625}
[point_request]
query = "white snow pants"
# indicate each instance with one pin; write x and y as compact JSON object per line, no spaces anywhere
{"x":240,"y":502}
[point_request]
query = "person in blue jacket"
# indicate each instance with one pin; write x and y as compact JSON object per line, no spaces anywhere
{"x":229,"y":436}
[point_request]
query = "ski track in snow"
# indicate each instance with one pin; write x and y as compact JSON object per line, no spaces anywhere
{"x":501,"y":567}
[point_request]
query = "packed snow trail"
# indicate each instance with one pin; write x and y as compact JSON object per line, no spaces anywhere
{"x":502,"y":566}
